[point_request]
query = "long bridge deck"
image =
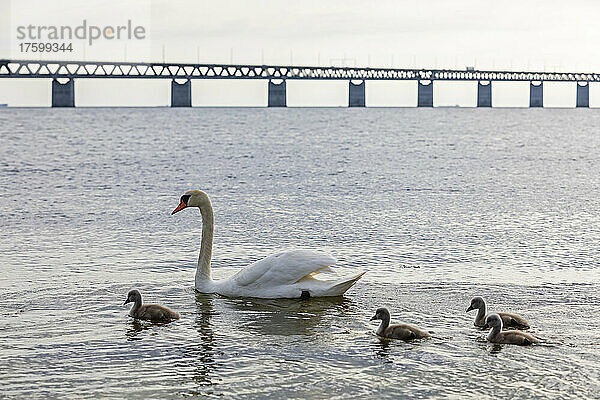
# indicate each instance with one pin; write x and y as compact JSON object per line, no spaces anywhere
{"x":63,"y":74}
{"x":88,"y":69}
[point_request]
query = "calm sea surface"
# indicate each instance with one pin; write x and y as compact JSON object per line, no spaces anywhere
{"x":438,"y":205}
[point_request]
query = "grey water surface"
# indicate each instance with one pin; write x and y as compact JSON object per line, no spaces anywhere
{"x":437,"y":205}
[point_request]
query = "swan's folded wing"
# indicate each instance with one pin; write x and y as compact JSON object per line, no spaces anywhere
{"x":284,"y":268}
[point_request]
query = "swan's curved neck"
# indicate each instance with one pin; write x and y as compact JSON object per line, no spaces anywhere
{"x":136,"y":305}
{"x":203,"y":271}
{"x":481,"y":314}
{"x":385,"y":322}
{"x":494,"y":331}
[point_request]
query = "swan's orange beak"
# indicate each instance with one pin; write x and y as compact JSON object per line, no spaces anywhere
{"x":180,"y":207}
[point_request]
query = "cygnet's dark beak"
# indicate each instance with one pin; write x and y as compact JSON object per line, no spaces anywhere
{"x":127,"y":301}
{"x":374,"y":317}
{"x":470,"y":308}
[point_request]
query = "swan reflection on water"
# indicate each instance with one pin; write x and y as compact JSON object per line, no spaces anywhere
{"x":382,"y":348}
{"x":285,"y":317}
{"x":137,"y":326}
{"x":201,"y":355}
{"x":214,"y":317}
{"x":386,"y":348}
{"x":496,"y":348}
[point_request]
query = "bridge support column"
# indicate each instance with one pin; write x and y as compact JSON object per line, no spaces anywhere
{"x":181,"y":93}
{"x":63,"y":94}
{"x":277,"y":96}
{"x":356,"y":94}
{"x":583,"y":95}
{"x":425,"y":95}
{"x":536,"y":95}
{"x":484,"y":94}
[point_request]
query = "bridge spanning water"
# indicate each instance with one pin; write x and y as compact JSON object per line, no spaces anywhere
{"x":64,"y":73}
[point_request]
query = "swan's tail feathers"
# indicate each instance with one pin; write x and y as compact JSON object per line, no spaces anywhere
{"x":342,"y":286}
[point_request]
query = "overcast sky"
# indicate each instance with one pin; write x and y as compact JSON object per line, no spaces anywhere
{"x":520,"y":35}
{"x":442,"y":33}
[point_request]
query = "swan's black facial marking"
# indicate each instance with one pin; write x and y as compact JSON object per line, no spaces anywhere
{"x":183,"y":203}
{"x":185,"y":198}
{"x":305,"y":295}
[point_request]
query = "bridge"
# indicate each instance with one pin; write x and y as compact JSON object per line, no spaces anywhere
{"x":64,"y":73}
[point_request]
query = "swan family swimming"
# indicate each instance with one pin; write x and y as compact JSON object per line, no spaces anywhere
{"x":291,"y":274}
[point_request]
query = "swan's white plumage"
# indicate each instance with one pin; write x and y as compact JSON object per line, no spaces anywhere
{"x":283,"y":268}
{"x":281,"y":275}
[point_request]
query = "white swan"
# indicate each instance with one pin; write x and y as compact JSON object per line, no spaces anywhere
{"x":284,"y":275}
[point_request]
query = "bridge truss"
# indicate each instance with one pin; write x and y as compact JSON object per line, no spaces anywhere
{"x":87,"y":69}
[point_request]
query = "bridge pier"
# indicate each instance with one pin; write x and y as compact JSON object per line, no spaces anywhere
{"x":356,"y":94}
{"x":484,"y":94}
{"x":425,"y":94}
{"x":277,"y":96}
{"x":536,"y":94}
{"x":583,"y":95}
{"x":63,"y":94}
{"x":181,"y":93}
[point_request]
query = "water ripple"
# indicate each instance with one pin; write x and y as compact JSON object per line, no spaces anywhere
{"x":437,"y":207}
